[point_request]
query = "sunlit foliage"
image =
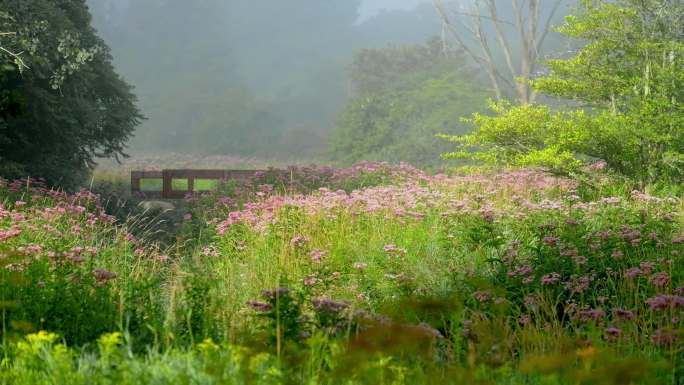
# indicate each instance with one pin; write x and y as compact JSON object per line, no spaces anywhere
{"x":628,"y":80}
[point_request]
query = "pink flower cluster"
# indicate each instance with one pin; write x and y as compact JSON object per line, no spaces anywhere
{"x":410,"y":199}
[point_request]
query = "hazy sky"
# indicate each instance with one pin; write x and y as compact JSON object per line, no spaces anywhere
{"x":371,"y":7}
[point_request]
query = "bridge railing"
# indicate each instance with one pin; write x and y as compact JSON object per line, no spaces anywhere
{"x":171,"y":191}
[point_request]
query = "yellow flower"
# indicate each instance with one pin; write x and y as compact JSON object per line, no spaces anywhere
{"x":207,"y":346}
{"x":41,"y":338}
{"x":36,"y":342}
{"x":109,"y":343}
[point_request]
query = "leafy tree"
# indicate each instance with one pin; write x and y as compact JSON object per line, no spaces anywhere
{"x":405,"y":95}
{"x":628,"y":82}
{"x":70,"y":106}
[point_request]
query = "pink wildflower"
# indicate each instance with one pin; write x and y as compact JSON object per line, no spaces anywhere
{"x":11,"y":233}
{"x":598,"y":165}
{"x":482,"y":296}
{"x":664,"y":337}
{"x":299,"y":241}
{"x":531,"y":301}
{"x":580,"y":260}
{"x":633,"y":273}
{"x":592,"y":314}
{"x":259,"y":306}
{"x":317,"y":255}
{"x":102,"y":276}
{"x":360,"y":265}
{"x":647,"y":266}
{"x":661,"y":279}
{"x":210,"y":251}
{"x":550,"y":241}
{"x":550,"y":279}
{"x":663,"y":302}
{"x":578,"y":285}
{"x":624,"y":314}
{"x":521,"y":270}
{"x":393,"y":249}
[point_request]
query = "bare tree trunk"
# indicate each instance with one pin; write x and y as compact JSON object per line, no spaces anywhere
{"x":488,"y":63}
{"x":513,"y":76}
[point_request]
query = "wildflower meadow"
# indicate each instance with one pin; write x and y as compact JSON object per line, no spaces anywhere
{"x":374,"y":274}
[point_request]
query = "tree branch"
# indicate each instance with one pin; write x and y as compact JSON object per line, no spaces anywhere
{"x":506,"y":48}
{"x":547,"y":26}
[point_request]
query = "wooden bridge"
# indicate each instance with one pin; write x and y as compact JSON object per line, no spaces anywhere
{"x":186,"y":178}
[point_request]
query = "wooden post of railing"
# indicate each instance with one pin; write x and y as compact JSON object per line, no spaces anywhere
{"x":167,"y":184}
{"x":135,"y":181}
{"x":191,"y":183}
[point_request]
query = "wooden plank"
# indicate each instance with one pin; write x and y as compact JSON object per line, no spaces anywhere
{"x":197,"y":174}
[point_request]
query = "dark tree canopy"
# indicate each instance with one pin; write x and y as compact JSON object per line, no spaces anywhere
{"x":70,"y":106}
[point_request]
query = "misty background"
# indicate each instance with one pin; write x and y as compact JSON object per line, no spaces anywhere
{"x":273,"y":79}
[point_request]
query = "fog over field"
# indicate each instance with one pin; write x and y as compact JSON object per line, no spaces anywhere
{"x":264,"y":77}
